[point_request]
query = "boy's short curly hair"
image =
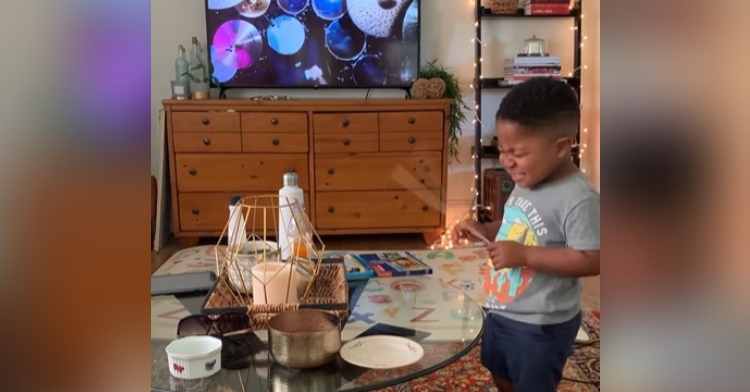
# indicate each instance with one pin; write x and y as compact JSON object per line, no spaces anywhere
{"x":542,"y":104}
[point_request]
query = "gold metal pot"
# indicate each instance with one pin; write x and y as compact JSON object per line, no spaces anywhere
{"x":304,"y":338}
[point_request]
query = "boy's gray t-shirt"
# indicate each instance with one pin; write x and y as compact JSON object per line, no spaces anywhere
{"x":564,"y":213}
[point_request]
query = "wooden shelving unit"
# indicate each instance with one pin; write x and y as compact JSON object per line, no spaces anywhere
{"x":498,"y":83}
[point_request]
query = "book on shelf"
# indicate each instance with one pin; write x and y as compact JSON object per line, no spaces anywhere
{"x":533,"y":61}
{"x":396,"y":263}
{"x":546,"y":9}
{"x":524,"y":3}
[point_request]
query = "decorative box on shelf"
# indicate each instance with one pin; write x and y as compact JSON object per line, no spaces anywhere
{"x":497,"y":187}
{"x":253,"y":276}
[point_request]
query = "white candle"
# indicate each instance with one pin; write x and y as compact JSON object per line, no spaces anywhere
{"x":280,"y":283}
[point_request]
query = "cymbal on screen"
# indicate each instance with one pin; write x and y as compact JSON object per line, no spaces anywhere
{"x":344,"y":40}
{"x":222,"y":4}
{"x":293,"y":7}
{"x":237,"y":44}
{"x":286,"y":35}
{"x":376,"y":17}
{"x":253,"y":8}
{"x":222,"y":72}
{"x":410,"y":29}
{"x":329,"y":9}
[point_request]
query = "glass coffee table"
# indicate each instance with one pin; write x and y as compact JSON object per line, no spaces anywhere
{"x":442,"y":319}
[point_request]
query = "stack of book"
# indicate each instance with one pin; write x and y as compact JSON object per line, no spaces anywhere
{"x":383,"y":264}
{"x":523,"y":68}
{"x":546,"y":7}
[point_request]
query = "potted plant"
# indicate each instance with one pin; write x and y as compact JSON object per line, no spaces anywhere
{"x":200,"y":80}
{"x":451,"y":90}
{"x":201,"y":77}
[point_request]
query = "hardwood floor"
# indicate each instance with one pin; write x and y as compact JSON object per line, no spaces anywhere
{"x":591,"y":295}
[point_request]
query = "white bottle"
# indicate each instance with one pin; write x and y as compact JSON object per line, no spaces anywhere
{"x":236,"y":232}
{"x":287,"y":228}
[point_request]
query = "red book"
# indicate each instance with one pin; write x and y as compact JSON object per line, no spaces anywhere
{"x":547,"y":2}
{"x":547,"y":9}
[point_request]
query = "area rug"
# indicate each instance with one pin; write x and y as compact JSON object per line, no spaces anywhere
{"x":468,"y":375}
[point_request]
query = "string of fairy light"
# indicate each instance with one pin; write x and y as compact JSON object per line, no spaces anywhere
{"x":445,"y":241}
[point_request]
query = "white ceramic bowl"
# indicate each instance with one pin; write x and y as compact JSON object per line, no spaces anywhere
{"x":194,"y":357}
{"x":252,"y":253}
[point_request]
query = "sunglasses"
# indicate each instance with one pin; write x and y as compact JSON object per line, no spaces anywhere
{"x":226,"y":324}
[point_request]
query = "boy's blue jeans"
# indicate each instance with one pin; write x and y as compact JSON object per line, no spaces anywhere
{"x":530,"y":356}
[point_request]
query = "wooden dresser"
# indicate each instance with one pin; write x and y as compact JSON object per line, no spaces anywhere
{"x":366,"y":166}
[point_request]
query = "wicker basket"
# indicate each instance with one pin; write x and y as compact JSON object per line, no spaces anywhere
{"x":504,"y":7}
{"x":329,"y":292}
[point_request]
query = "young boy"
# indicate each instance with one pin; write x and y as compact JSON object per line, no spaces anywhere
{"x":547,"y":239}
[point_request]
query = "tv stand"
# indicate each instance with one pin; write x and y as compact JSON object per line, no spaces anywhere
{"x":367,"y":166}
{"x":408,"y":91}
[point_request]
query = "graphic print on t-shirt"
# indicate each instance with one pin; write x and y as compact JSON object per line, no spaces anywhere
{"x":521,"y":223}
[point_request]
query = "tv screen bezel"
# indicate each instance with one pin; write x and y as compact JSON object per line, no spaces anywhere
{"x":318,"y":87}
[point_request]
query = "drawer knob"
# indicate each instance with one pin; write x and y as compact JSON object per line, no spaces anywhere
{"x":331,"y":210}
{"x":192,"y":171}
{"x":205,"y":121}
{"x":331,"y":171}
{"x":345,"y":122}
{"x":206,"y":142}
{"x":412,"y":120}
{"x":195,"y":211}
{"x":275,"y":142}
{"x":412,"y":140}
{"x":347,"y":142}
{"x":274,"y":121}
{"x":425,"y":208}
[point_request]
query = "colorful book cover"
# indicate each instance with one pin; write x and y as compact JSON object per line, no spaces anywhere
{"x":401,"y":263}
{"x":356,"y":269}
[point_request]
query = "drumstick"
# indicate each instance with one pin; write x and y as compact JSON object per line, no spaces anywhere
{"x":483,"y":238}
{"x":269,"y":20}
{"x":486,"y":242}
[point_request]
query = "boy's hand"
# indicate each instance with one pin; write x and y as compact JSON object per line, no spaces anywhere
{"x":468,"y":228}
{"x":507,"y":254}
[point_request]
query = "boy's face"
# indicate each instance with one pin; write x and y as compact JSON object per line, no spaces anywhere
{"x":528,"y":157}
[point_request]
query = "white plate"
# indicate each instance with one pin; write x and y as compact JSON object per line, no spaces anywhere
{"x":381,"y":352}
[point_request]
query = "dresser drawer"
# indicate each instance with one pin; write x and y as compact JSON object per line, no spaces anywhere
{"x":381,"y":209}
{"x":348,"y":123}
{"x":238,"y":172}
{"x":274,"y":122}
{"x":205,"y":122}
{"x":274,"y":142}
{"x":210,"y":212}
{"x":207,"y":142}
{"x":384,"y":171}
{"x":411,"y":121}
{"x":411,"y":141}
{"x":346,"y":142}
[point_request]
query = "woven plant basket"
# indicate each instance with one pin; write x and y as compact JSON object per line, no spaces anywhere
{"x":503,"y":7}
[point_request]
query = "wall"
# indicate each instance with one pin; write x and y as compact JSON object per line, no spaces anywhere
{"x":447,"y":28}
{"x":590,"y":91}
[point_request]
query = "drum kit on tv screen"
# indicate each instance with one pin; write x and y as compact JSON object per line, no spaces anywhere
{"x":296,"y":43}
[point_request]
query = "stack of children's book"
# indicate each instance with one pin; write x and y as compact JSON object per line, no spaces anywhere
{"x":383,"y":264}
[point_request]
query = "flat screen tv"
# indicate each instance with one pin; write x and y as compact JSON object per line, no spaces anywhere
{"x":313,"y":43}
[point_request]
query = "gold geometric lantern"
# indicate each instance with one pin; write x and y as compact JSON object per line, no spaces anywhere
{"x":251,"y":263}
